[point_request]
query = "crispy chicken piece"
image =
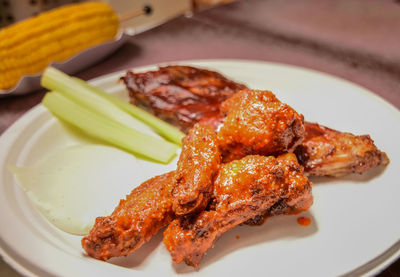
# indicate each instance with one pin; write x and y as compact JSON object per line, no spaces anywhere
{"x":327,"y":152}
{"x":197,"y":166}
{"x":181,"y":95}
{"x":243,"y":189}
{"x":145,"y":210}
{"x":257,"y":122}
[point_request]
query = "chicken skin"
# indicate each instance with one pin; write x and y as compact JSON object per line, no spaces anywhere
{"x":242,"y":190}
{"x":181,"y":95}
{"x":327,"y":152}
{"x":145,"y":210}
{"x":257,"y":122}
{"x":197,"y":166}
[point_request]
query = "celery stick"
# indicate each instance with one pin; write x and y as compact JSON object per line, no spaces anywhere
{"x":164,"y":129}
{"x":106,"y":104}
{"x":108,"y":130}
{"x":56,"y":80}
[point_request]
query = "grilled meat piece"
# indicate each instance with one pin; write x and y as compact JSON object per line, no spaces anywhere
{"x":136,"y":219}
{"x":242,"y":190}
{"x":197,"y":166}
{"x":181,"y":95}
{"x":327,"y":152}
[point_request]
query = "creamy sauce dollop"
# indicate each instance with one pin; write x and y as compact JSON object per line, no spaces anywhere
{"x":75,"y":185}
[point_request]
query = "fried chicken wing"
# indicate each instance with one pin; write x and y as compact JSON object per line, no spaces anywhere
{"x":257,"y":122}
{"x":197,"y":165}
{"x":181,"y":95}
{"x":136,"y":219}
{"x":327,"y":152}
{"x":243,"y":189}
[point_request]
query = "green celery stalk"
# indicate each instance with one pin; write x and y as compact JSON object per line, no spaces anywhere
{"x":56,"y":80}
{"x":107,"y":129}
{"x":97,"y":100}
{"x":164,"y":129}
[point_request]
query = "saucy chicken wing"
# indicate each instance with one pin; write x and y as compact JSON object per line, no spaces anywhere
{"x":258,"y":123}
{"x":136,"y":219}
{"x":243,"y":189}
{"x":181,"y":95}
{"x":197,"y":165}
{"x":327,"y":152}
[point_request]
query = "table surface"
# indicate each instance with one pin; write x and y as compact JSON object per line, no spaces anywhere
{"x":352,"y":39}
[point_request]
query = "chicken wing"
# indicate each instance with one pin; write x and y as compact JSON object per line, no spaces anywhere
{"x":136,"y":219}
{"x":243,"y":189}
{"x":181,"y":95}
{"x":197,"y":165}
{"x":257,"y":122}
{"x":327,"y":152}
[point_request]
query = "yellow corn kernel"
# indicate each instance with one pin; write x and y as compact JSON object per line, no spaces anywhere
{"x":29,"y":46}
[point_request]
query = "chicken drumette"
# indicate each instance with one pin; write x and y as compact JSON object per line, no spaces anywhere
{"x":257,"y":122}
{"x":198,"y":163}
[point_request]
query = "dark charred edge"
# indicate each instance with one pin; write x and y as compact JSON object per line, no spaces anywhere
{"x":301,"y":155}
{"x":280,"y":207}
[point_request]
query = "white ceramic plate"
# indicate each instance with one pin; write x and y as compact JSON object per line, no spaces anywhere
{"x":355,"y":225}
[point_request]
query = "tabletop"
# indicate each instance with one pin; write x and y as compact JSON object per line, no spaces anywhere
{"x":352,"y":39}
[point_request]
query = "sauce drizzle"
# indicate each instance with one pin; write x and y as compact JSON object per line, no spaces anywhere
{"x":303,"y":221}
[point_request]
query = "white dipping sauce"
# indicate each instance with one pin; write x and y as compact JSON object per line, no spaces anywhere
{"x":79,"y":183}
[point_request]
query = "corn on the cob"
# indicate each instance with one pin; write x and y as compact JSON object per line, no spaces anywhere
{"x":29,"y":46}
